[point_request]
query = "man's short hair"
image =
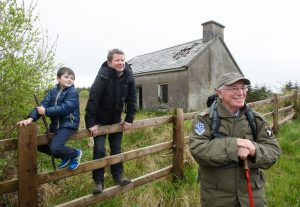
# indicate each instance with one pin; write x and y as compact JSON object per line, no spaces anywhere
{"x":64,"y":70}
{"x":112,"y":52}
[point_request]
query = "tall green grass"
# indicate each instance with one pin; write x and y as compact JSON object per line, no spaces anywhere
{"x":282,"y":186}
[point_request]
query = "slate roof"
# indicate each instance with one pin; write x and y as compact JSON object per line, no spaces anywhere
{"x":167,"y":59}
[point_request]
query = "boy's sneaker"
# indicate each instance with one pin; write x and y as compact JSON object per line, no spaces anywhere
{"x":64,"y":163}
{"x":75,"y":161}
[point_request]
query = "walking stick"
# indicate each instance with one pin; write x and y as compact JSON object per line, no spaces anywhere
{"x":47,"y":131}
{"x":247,"y":175}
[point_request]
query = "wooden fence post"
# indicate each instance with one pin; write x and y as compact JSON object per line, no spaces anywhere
{"x":178,"y":143}
{"x":27,"y":162}
{"x":275,"y":114}
{"x":295,"y":104}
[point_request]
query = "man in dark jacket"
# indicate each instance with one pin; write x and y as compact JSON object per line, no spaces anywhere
{"x":113,"y":88}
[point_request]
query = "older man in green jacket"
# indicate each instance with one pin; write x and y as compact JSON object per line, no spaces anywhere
{"x":220,"y":153}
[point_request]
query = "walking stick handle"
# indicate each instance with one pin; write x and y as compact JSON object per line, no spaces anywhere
{"x":47,"y":131}
{"x":246,"y":164}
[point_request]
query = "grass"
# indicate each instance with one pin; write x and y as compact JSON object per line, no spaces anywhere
{"x":282,"y":186}
{"x":160,"y":193}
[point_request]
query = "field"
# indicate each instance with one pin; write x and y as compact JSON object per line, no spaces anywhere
{"x":282,"y":187}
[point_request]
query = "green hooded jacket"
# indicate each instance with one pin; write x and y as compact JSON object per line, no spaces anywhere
{"x":221,"y":174}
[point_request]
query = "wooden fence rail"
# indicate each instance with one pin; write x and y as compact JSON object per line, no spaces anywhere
{"x":12,"y":143}
{"x":29,"y":179}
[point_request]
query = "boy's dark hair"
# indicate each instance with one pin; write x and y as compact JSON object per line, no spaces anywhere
{"x":112,"y":52}
{"x":64,"y":70}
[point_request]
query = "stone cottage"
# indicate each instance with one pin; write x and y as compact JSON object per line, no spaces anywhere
{"x":183,"y":76}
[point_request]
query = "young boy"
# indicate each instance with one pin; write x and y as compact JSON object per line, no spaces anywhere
{"x":61,"y":104}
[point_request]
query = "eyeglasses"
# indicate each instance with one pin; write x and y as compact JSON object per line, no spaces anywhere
{"x":236,"y":89}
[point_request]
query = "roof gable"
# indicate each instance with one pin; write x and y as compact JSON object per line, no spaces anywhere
{"x":167,"y":59}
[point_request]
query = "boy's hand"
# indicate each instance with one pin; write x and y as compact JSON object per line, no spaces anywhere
{"x":41,"y":110}
{"x":25,"y":122}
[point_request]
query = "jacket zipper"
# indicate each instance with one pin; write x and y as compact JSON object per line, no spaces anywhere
{"x":55,"y":105}
{"x":118,"y":93}
{"x":71,"y":118}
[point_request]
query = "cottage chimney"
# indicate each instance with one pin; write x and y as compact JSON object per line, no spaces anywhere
{"x":211,"y":29}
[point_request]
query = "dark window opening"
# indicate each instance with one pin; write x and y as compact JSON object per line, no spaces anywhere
{"x":139,"y":96}
{"x":163,"y":93}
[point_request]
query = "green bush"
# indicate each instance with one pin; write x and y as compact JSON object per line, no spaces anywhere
{"x":84,"y":94}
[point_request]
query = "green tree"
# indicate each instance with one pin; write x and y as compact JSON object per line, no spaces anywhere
{"x":26,"y":63}
{"x":257,"y":93}
{"x":289,"y":86}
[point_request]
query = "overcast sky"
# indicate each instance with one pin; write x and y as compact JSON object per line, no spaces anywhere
{"x":262,"y":35}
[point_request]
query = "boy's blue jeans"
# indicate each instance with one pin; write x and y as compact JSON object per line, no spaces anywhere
{"x":115,"y":141}
{"x":57,"y":147}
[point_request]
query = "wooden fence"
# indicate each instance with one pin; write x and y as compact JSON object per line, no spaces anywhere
{"x":29,"y":179}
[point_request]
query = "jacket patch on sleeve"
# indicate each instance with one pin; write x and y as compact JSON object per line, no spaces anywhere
{"x":269,"y":131}
{"x":199,"y":128}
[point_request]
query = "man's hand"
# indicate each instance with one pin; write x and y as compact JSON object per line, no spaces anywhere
{"x":243,"y":153}
{"x":125,"y":125}
{"x":246,"y":143}
{"x":94,"y":130}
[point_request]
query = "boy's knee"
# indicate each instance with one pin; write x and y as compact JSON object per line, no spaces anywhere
{"x":56,"y":150}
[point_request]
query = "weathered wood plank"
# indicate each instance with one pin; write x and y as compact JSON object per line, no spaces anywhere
{"x":8,"y":186}
{"x":287,"y":118}
{"x":46,"y":177}
{"x":189,"y":116}
{"x":260,"y":103}
{"x":178,"y":139}
{"x":115,"y":190}
{"x":8,"y":144}
{"x":103,"y":162}
{"x":295,"y":101}
{"x":268,"y":114}
{"x":287,"y":108}
{"x":27,"y":163}
{"x":107,"y":129}
{"x":11,"y":144}
{"x":275,"y":114}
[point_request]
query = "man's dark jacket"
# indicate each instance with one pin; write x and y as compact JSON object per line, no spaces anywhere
{"x":108,"y":96}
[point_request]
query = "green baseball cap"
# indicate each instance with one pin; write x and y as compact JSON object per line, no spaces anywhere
{"x":231,"y":78}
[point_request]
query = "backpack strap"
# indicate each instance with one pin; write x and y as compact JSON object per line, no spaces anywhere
{"x":252,"y":123}
{"x":215,"y":119}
